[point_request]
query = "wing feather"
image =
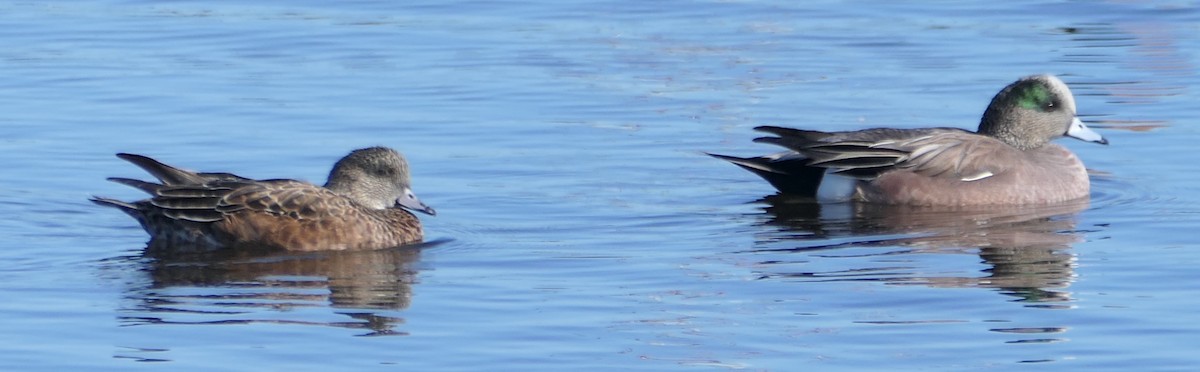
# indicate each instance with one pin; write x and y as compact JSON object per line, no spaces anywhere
{"x":865,"y":154}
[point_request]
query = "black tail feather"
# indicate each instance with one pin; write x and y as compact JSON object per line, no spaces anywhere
{"x":128,"y":208}
{"x":792,"y":177}
{"x":147,"y":187}
{"x":167,"y":174}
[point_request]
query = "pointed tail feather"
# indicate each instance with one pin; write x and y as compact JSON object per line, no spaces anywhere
{"x":128,"y":208}
{"x":147,"y":187}
{"x":806,"y":135}
{"x":167,"y":174}
{"x":790,"y":176}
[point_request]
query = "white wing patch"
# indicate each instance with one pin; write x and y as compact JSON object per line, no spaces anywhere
{"x":978,"y":176}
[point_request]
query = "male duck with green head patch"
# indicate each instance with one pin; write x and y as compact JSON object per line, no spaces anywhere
{"x":1008,"y":161}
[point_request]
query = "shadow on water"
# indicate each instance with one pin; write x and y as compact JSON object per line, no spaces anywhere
{"x":241,"y":288}
{"x":1025,"y":250}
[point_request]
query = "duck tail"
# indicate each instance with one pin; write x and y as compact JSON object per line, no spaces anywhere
{"x":147,"y":187}
{"x":789,"y":176}
{"x":167,"y":174}
{"x":128,"y":208}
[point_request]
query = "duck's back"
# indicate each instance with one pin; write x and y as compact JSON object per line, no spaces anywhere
{"x":280,"y":214}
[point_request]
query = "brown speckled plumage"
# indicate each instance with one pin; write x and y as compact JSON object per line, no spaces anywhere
{"x":359,"y":209}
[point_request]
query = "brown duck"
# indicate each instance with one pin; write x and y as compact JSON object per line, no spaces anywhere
{"x":364,"y":205}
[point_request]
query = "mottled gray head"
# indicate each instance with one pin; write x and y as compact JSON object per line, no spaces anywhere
{"x":376,"y":177}
{"x":1033,"y":111}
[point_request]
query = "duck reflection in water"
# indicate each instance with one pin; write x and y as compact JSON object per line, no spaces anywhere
{"x":1026,"y":247}
{"x":238,"y":288}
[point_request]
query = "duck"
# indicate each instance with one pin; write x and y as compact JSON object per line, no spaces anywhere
{"x":1008,"y":160}
{"x":366,"y":204}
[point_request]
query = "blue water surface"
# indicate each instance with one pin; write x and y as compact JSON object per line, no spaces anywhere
{"x":580,"y":226}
